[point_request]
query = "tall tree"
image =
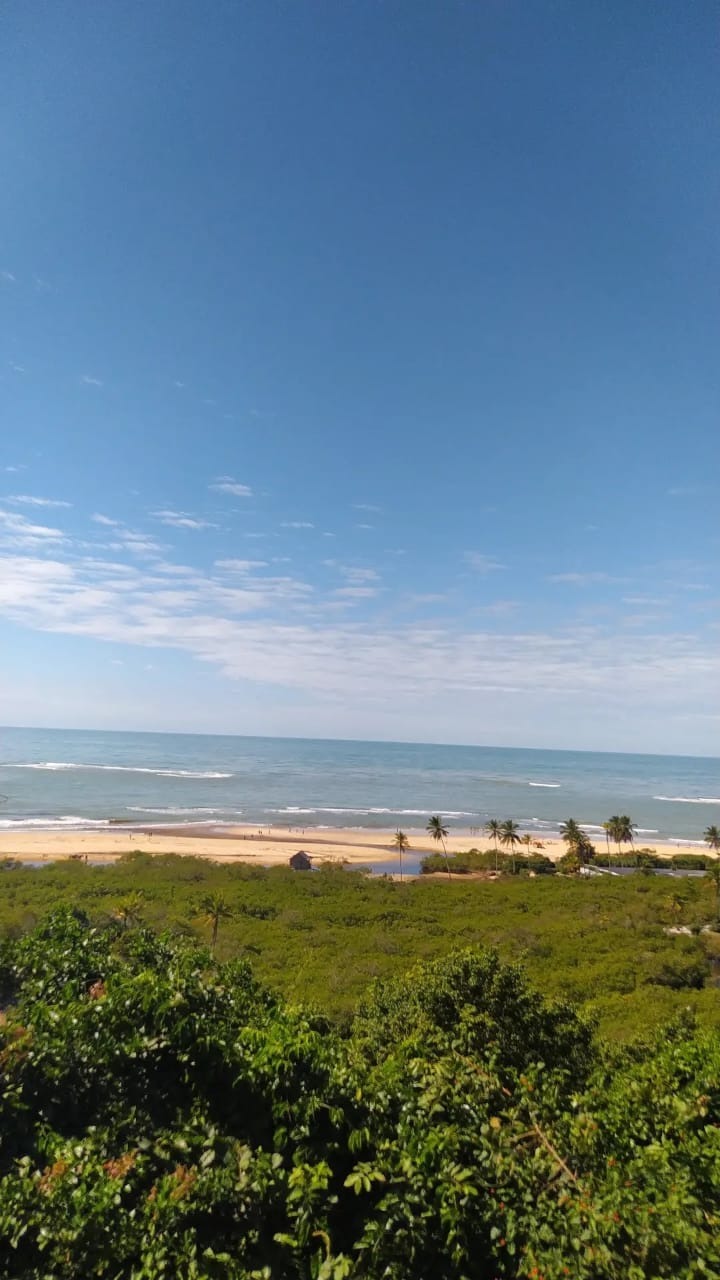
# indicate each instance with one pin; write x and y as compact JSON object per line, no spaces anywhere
{"x":711,"y":836}
{"x":510,"y":837}
{"x":606,"y":829}
{"x":401,"y":843}
{"x":614,"y":827}
{"x":493,"y":828}
{"x":627,"y":830}
{"x":439,"y":833}
{"x":214,"y":908}
{"x":577,"y":841}
{"x":571,"y":833}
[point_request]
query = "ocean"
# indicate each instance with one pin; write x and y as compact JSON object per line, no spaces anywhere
{"x":64,"y":779}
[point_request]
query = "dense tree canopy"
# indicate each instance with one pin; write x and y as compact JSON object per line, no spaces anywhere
{"x":164,"y":1115}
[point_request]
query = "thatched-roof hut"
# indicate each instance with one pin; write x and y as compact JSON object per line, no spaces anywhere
{"x":301,"y":861}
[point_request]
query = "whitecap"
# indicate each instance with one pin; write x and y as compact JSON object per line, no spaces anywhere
{"x":552,"y":785}
{"x":689,"y":799}
{"x":172,"y":810}
{"x":55,"y":766}
{"x":54,"y":823}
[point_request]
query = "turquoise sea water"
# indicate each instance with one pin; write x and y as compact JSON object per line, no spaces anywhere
{"x":77,"y":778}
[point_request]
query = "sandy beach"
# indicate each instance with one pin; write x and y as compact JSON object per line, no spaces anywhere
{"x":233,"y":844}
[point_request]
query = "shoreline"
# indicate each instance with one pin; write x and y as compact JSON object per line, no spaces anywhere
{"x":362,"y":846}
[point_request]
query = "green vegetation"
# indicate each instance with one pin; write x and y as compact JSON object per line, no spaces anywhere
{"x":165,"y":1115}
{"x":510,"y":837}
{"x":621,"y":829}
{"x":711,"y":836}
{"x":322,"y":938}
{"x":402,"y":844}
{"x":439,"y":832}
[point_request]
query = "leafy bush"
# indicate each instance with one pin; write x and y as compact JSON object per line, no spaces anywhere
{"x":486,"y":860}
{"x":163,"y":1115}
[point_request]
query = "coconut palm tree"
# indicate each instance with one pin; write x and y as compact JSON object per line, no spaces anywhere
{"x":627,"y":830}
{"x":493,"y":828}
{"x":711,"y":836}
{"x":571,"y":833}
{"x":129,"y":911}
{"x":215,"y":908}
{"x":577,"y":840}
{"x":509,"y":837}
{"x":606,"y":829}
{"x":621,"y":829}
{"x":439,"y":832}
{"x":401,"y":843}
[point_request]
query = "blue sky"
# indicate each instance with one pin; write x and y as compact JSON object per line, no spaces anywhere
{"x":359,"y":370}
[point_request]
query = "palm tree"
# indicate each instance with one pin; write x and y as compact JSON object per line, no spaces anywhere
{"x":571,"y":833}
{"x":493,"y":828}
{"x":627,"y":830}
{"x":606,"y":829}
{"x":439,"y":832}
{"x":215,"y":908}
{"x":577,"y":840}
{"x":711,"y":836}
{"x":509,"y":837}
{"x":401,"y":843}
{"x":613,"y":827}
{"x":129,"y":910}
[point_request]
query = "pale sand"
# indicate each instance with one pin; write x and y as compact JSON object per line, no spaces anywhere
{"x":238,"y":845}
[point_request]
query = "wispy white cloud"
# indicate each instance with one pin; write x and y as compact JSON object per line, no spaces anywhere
{"x":140,"y":544}
{"x":17,"y":531}
{"x":583,"y":579}
{"x":21,"y":466}
{"x":181,"y":520}
{"x":18,"y":368}
{"x":29,"y":500}
{"x":365,"y":506}
{"x":8,"y":277}
{"x":89,"y":381}
{"x":296,"y":524}
{"x":226,"y":484}
{"x":364,"y":526}
{"x":261,"y":630}
{"x":482,"y":563}
{"x":498,"y":608}
{"x":356,"y":593}
{"x":653,"y":602}
{"x":240,"y":566}
{"x":99,"y":518}
{"x":357,"y":574}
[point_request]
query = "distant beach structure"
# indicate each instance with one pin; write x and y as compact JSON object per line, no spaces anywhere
{"x":301,"y":861}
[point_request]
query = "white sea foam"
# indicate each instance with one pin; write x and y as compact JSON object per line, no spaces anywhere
{"x":174,"y":810}
{"x":293,"y":810}
{"x":56,"y":766}
{"x":689,"y":799}
{"x":552,"y":785}
{"x":53,"y":824}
